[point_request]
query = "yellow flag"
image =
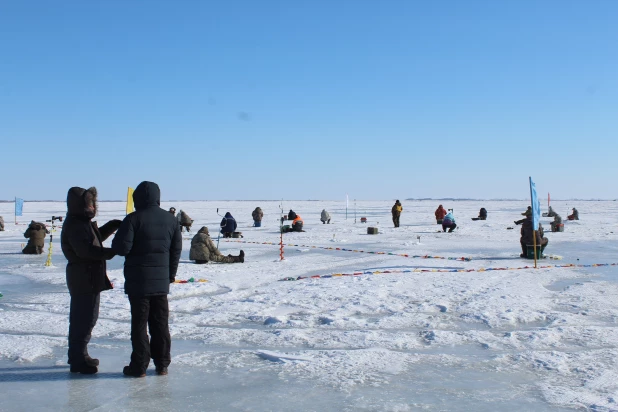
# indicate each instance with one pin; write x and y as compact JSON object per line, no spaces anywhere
{"x":130,"y":208}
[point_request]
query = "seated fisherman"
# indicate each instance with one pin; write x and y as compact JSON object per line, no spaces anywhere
{"x":527,"y":236}
{"x":203,"y":250}
{"x":527,"y":213}
{"x":555,"y":224}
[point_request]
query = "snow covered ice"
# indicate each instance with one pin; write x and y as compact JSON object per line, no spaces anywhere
{"x":528,"y":339}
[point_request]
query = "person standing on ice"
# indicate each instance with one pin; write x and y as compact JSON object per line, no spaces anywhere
{"x":325,"y":217}
{"x":1,"y":224}
{"x":257,"y":216}
{"x":396,"y":212}
{"x":151,"y":241}
{"x":203,"y":250}
{"x":440,"y":213}
{"x":86,"y":274}
{"x":36,"y":238}
{"x":448,"y":222}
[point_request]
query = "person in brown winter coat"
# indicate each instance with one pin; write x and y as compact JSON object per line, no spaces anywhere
{"x":527,"y":236}
{"x":203,"y":250}
{"x":257,"y":217}
{"x":86,"y":273}
{"x":184,"y":220}
{"x":1,"y":224}
{"x":396,"y":212}
{"x":440,"y":213}
{"x":36,"y":238}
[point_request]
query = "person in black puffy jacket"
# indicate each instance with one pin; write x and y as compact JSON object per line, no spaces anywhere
{"x":151,"y":242}
{"x":86,"y":274}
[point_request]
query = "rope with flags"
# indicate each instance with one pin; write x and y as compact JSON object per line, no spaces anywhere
{"x":462,"y":259}
{"x":382,"y":272}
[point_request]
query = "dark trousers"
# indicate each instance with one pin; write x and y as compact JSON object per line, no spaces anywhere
{"x":151,"y":312}
{"x":83,"y":316}
{"x":257,"y":223}
{"x":450,"y":227}
{"x":396,"y":220}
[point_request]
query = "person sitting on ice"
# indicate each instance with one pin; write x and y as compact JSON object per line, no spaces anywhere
{"x":440,"y":213}
{"x":257,"y":216}
{"x":556,"y":223}
{"x":36,"y":238}
{"x":297,"y":224}
{"x":228,"y":225}
{"x":203,"y":250}
{"x":527,"y":236}
{"x":173,"y":211}
{"x":574,"y":215}
{"x":1,"y":224}
{"x":448,"y":222}
{"x":483,"y":214}
{"x":325,"y":217}
{"x":527,"y":213}
{"x":184,"y":220}
{"x":551,"y":212}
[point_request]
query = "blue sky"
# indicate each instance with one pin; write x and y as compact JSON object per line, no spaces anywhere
{"x":309,"y":99}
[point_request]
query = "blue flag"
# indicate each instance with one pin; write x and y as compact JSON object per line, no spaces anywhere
{"x":536,"y":206}
{"x":19,"y":206}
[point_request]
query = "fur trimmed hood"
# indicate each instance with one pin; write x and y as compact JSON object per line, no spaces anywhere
{"x":82,"y":202}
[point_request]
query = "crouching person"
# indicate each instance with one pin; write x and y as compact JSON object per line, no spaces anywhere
{"x":36,"y":238}
{"x":82,"y":244}
{"x":203,"y":250}
{"x":448,"y":222}
{"x":325,"y":217}
{"x":184,"y":221}
{"x":228,"y":225}
{"x":151,"y":242}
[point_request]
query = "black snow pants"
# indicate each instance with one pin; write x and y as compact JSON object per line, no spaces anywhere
{"x":151,"y":312}
{"x":396,"y":220}
{"x":83,"y":315}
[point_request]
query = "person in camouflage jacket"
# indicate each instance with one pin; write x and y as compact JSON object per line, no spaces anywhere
{"x":203,"y":250}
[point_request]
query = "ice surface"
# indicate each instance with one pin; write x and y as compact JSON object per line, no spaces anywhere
{"x":528,"y":339}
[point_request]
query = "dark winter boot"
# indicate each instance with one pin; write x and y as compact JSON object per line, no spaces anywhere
{"x":127,"y":371}
{"x":241,"y":257}
{"x":91,"y":361}
{"x":161,"y":370}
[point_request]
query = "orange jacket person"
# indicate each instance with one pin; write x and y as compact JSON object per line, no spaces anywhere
{"x":297,"y":224}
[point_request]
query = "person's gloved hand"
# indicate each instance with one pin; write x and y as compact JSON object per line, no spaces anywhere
{"x":172,"y":280}
{"x":114,"y":224}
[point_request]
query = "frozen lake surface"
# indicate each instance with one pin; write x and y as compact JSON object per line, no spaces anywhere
{"x":423,"y":337}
